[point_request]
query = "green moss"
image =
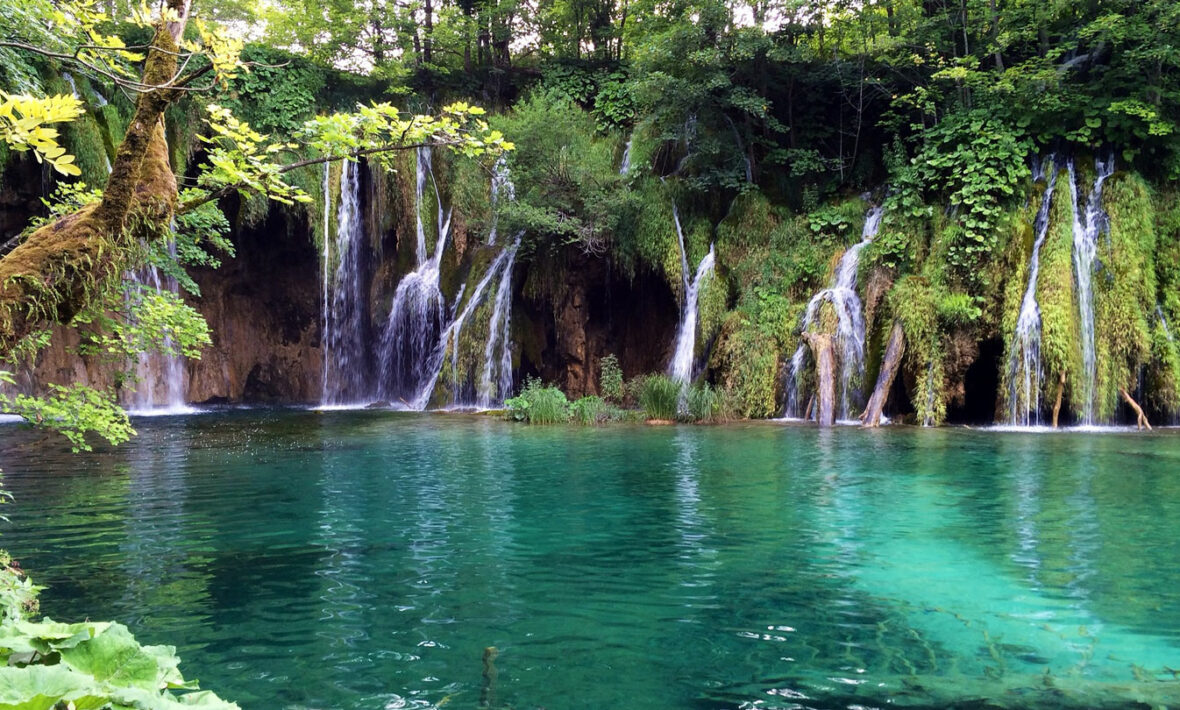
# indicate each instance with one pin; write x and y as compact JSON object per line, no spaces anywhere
{"x":82,"y":138}
{"x":747,"y":355}
{"x":1124,"y":290}
{"x":713,"y":302}
{"x":1163,"y":375}
{"x":914,"y":301}
{"x":1060,"y":344}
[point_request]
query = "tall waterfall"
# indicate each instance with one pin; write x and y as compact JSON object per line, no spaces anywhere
{"x":1085,"y":247}
{"x":160,"y":377}
{"x":1024,"y":353}
{"x":681,"y":366}
{"x":495,"y":380}
{"x":417,"y":316}
{"x":345,"y":350}
{"x":449,"y":337}
{"x":850,"y":327}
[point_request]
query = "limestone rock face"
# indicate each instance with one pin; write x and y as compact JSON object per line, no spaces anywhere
{"x":263,"y":309}
{"x":595,"y":311}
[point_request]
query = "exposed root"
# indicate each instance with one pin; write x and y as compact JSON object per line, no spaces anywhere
{"x":1060,"y":396}
{"x":1141,"y":418}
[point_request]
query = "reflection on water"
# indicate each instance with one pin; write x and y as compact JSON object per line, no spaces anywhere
{"x":371,"y":559}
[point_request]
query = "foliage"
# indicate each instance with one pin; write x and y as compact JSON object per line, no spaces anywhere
{"x":24,"y":122}
{"x":593,"y":411}
{"x":610,"y":379}
{"x":658,"y":396}
{"x":567,"y":184}
{"x":279,"y":93}
{"x":977,"y":162}
{"x":71,"y":410}
{"x":92,"y":664}
{"x":703,"y":403}
{"x":538,"y":403}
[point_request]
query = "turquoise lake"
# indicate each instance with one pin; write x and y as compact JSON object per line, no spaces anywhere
{"x":370,"y":559}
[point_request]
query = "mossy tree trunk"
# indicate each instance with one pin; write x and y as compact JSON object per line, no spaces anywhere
{"x":890,"y":363}
{"x":52,"y":275}
{"x":821,"y":349}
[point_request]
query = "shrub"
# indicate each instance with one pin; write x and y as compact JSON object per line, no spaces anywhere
{"x":538,"y":403}
{"x":591,"y":411}
{"x":703,"y":403}
{"x":610,"y":379}
{"x":659,"y":396}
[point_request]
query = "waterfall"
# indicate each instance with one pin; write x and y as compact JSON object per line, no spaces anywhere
{"x":680,"y":368}
{"x":160,"y":377}
{"x":73,"y":84}
{"x":1024,"y":353}
{"x":449,"y":337}
{"x":497,"y":354}
{"x":625,"y":166}
{"x":502,"y":187}
{"x":850,"y":327}
{"x":417,"y":314}
{"x":345,"y":351}
{"x":325,"y":270}
{"x":1085,"y":248}
{"x":1159,"y":312}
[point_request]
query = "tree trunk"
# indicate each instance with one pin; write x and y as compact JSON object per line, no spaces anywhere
{"x":825,"y":381}
{"x":889,"y":366}
{"x":63,"y":265}
{"x":428,"y":31}
{"x":1060,"y":396}
{"x":1141,"y":418}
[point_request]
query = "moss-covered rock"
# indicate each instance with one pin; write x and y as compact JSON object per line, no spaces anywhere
{"x":1124,"y":290}
{"x":1060,"y":346}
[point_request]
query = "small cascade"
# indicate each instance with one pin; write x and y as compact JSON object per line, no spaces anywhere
{"x":625,"y":166}
{"x":681,"y":366}
{"x":1086,"y":228}
{"x":850,"y":329}
{"x":73,"y":84}
{"x":449,"y":337}
{"x":502,"y":188}
{"x":1159,"y":312}
{"x":1024,"y":353}
{"x":160,"y":377}
{"x":345,"y":352}
{"x":497,"y":354}
{"x":417,"y":316}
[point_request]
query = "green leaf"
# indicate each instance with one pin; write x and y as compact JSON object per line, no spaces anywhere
{"x":116,"y":657}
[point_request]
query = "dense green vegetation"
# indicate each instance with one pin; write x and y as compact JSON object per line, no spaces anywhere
{"x":766,"y":128}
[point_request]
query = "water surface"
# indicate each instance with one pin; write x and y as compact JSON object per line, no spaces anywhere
{"x":369,"y":559}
